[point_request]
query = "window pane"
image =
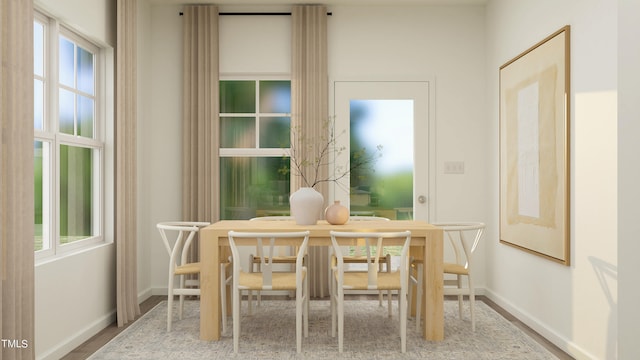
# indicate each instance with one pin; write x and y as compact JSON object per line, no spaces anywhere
{"x":386,"y":187}
{"x":85,"y":116}
{"x":85,"y":71}
{"x":274,"y":132}
{"x":275,"y":96}
{"x":76,"y":193}
{"x":66,"y":111}
{"x":41,"y":195}
{"x":254,"y":186}
{"x":237,"y":97}
{"x":38,"y":105}
{"x":237,"y":132}
{"x":66,"y":51}
{"x":38,"y":49}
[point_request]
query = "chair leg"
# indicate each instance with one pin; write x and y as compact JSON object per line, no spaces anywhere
{"x":380,"y":292}
{"x":223,"y":296}
{"x":169,"y":311}
{"x":410,"y":293}
{"x":170,"y":302}
{"x":181,"y":298}
{"x":332,"y":287}
{"x":402,"y":305}
{"x":472,"y":302}
{"x":236,"y":320}
{"x":340,"y":301}
{"x":306,"y":306}
{"x":419,"y":286}
{"x":418,"y":296}
{"x":249,"y":292}
{"x":460,"y":297}
{"x":299,"y":305}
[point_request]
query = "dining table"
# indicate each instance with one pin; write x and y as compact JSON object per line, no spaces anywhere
{"x":426,"y":244}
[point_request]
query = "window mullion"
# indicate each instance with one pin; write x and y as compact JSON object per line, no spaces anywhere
{"x":53,"y":107}
{"x":257,"y":114}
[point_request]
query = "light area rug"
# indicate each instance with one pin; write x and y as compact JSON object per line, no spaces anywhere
{"x":369,"y":334}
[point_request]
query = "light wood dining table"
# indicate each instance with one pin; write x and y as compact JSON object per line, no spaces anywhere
{"x":426,"y":244}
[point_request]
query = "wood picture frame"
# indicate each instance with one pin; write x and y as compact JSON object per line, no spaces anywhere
{"x":534,"y":149}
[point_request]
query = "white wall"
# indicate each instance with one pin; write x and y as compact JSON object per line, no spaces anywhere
{"x":379,"y":42}
{"x":75,"y":294}
{"x":575,"y":306}
{"x":628,"y":178}
{"x":75,"y":299}
{"x":462,"y":48}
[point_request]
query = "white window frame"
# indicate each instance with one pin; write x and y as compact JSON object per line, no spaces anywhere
{"x":52,"y":248}
{"x":257,"y":151}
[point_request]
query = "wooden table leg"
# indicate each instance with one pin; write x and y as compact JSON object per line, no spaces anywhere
{"x":209,"y":286}
{"x":433,"y":288}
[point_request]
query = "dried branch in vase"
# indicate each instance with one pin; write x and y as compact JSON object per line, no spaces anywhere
{"x":308,"y":161}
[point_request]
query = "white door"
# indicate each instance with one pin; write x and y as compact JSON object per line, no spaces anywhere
{"x":395,"y":116}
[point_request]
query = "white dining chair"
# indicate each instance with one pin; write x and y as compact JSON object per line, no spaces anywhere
{"x":268,"y":279}
{"x":357,"y":258}
{"x":464,"y":238}
{"x":177,"y":237}
{"x":371,"y":279}
{"x":285,"y":256}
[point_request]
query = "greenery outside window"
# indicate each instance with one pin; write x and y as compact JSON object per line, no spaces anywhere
{"x":68,"y":141}
{"x":254,"y":132}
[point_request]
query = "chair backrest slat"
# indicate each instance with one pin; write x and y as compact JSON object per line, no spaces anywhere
{"x":266,"y":243}
{"x":463,"y":247}
{"x":177,"y":246}
{"x":381,"y":240}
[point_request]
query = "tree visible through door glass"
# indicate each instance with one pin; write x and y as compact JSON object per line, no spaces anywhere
{"x":386,"y":189}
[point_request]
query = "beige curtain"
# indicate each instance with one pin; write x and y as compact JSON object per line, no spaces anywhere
{"x":126,"y":177}
{"x":309,"y":108}
{"x":200,"y":115}
{"x":16,"y":179}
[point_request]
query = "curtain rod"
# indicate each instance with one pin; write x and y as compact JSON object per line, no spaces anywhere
{"x":255,"y":13}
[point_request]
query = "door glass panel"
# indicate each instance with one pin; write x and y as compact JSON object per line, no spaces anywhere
{"x":386,"y":187}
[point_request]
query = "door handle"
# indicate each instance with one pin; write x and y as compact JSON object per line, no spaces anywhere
{"x":422,"y":199}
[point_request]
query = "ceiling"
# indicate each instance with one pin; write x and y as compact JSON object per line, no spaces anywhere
{"x":326,"y":2}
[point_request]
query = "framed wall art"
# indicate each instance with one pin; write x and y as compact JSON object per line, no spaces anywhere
{"x":534,"y":149}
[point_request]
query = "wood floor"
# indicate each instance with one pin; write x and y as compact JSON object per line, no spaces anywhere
{"x":92,"y":345}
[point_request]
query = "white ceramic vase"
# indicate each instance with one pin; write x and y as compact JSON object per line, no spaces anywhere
{"x":306,"y":206}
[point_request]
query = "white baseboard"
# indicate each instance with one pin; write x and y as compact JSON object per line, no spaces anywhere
{"x":159,"y":291}
{"x":77,"y":339}
{"x":144,"y":295}
{"x":561,"y":342}
{"x":80,"y":337}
